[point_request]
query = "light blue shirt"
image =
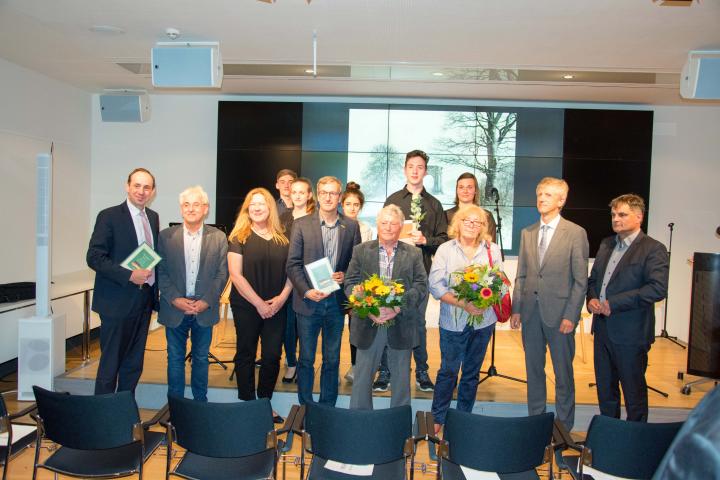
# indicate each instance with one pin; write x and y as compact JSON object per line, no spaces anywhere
{"x":192,"y":243}
{"x":621,"y":246}
{"x":449,"y":258}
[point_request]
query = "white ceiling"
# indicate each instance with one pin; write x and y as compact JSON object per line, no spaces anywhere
{"x":53,"y":37}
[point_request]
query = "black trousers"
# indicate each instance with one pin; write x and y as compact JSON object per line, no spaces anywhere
{"x":249,"y":328}
{"x":620,"y":366}
{"x":122,"y":347}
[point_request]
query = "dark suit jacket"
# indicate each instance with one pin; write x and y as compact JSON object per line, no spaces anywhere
{"x":408,"y":269}
{"x":112,"y":240}
{"x":306,"y":247}
{"x":560,"y":282}
{"x":639,"y":280}
{"x":211,"y":277}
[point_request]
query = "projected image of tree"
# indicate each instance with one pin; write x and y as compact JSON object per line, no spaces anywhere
{"x":480,"y":142}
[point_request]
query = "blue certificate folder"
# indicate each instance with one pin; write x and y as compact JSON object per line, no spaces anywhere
{"x":320,"y":274}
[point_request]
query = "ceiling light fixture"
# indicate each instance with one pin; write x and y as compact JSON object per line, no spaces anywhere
{"x":309,"y":70}
{"x":567,"y":76}
{"x":438,"y":74}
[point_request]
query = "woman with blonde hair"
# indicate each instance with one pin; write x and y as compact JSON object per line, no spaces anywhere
{"x":461,"y":345}
{"x":256,"y":259}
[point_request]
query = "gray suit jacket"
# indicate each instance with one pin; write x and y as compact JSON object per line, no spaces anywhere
{"x":560,"y":283}
{"x":211,"y":278}
{"x":306,"y":247}
{"x":409,"y":270}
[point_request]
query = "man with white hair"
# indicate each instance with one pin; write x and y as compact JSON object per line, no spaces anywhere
{"x":549,"y":294}
{"x":403,"y":263}
{"x":191,"y":277}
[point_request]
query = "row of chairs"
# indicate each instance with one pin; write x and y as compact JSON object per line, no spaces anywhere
{"x":102,"y":436}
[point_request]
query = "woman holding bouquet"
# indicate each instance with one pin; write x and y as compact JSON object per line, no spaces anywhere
{"x":465,"y":329}
{"x":256,"y":259}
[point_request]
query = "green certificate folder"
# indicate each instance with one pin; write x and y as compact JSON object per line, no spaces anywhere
{"x":142,"y":257}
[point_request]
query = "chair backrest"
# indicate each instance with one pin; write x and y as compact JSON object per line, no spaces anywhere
{"x":359,"y":437}
{"x":87,"y":422}
{"x":628,"y":449}
{"x":3,"y":407}
{"x":497,"y":444}
{"x":223,"y":430}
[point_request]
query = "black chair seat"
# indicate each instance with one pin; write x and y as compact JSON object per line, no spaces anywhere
{"x":103,"y":463}
{"x":452,"y":471}
{"x":252,"y":467}
{"x":392,"y":470}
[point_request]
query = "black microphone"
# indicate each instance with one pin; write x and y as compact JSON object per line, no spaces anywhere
{"x":672,"y":224}
{"x":496,"y":195}
{"x":717,"y":231}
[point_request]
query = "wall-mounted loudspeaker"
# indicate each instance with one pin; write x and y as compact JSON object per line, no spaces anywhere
{"x":186,"y":65}
{"x":700,"y":78}
{"x":125,"y":106}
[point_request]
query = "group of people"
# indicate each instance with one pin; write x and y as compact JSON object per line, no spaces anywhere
{"x":272,"y":241}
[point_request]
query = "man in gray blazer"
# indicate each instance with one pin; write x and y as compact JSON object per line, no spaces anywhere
{"x":191,"y":278}
{"x":399,"y":261}
{"x":325,"y":233}
{"x":549,"y":293}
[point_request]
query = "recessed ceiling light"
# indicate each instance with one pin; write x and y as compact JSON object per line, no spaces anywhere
{"x":309,"y":70}
{"x":438,"y":74}
{"x":107,"y":29}
{"x":567,"y":76}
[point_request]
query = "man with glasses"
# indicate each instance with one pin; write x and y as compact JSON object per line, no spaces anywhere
{"x":191,"y":277}
{"x":325,"y":233}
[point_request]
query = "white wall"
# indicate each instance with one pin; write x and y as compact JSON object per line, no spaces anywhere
{"x":179,"y":145}
{"x":684,"y":189}
{"x":35,"y":111}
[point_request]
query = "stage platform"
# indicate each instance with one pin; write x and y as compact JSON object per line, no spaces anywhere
{"x":496,"y":395}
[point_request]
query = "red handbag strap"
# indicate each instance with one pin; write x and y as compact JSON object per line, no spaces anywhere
{"x":487,"y":245}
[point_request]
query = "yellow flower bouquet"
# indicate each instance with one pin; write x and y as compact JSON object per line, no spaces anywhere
{"x":481,"y":285}
{"x":374,"y":293}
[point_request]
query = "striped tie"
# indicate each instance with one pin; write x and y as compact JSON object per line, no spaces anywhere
{"x":149,"y":240}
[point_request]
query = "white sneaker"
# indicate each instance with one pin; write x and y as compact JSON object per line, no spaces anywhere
{"x":350,"y":376}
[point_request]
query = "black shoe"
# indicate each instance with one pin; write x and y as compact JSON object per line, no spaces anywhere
{"x":258,"y":362}
{"x":423,"y":382}
{"x":291,"y":379}
{"x":382,"y":382}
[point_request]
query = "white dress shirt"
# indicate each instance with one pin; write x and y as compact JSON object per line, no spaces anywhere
{"x":137,"y":222}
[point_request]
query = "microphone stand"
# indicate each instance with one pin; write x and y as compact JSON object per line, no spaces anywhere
{"x":492,"y":370}
{"x":663,"y":332}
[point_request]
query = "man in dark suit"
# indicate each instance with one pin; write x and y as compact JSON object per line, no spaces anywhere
{"x":629,"y":275}
{"x":191,"y":277}
{"x":124,"y":299}
{"x":549,"y":292}
{"x":325,"y":233}
{"x":399,"y":261}
{"x":430,"y":231}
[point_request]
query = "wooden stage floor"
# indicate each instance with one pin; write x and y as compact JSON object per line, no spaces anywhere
{"x":665,"y":361}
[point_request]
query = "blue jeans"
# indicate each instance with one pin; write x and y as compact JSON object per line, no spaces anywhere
{"x":176,"y":347}
{"x":291,"y":338}
{"x":329,"y":318}
{"x":466,"y":349}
